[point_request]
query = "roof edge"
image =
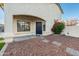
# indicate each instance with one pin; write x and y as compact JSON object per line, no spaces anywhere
{"x":60,"y":7}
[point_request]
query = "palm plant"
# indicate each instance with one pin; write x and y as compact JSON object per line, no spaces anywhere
{"x":2,"y":6}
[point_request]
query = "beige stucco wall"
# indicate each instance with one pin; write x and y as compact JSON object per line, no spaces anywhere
{"x":71,"y":31}
{"x":46,"y":11}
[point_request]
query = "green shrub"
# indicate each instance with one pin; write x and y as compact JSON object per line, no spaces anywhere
{"x":1,"y":38}
{"x":58,"y":27}
{"x":1,"y":44}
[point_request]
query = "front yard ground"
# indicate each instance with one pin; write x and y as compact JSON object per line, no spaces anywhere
{"x":52,"y":45}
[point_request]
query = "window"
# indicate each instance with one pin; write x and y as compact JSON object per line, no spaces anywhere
{"x":22,"y":25}
{"x":1,"y":28}
{"x":44,"y":27}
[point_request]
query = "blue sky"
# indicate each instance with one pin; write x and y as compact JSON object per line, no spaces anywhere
{"x":70,"y":10}
{"x":1,"y":16}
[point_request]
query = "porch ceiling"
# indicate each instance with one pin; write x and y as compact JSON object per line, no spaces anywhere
{"x":29,"y":17}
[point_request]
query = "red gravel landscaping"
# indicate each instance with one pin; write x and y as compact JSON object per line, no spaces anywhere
{"x":66,"y":41}
{"x":36,"y":47}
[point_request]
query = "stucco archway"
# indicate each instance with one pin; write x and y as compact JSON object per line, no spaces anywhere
{"x":32,"y":24}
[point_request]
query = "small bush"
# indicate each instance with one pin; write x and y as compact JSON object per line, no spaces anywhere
{"x":1,"y":43}
{"x":1,"y":38}
{"x":58,"y":27}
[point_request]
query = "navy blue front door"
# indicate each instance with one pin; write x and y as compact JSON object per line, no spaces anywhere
{"x":38,"y":27}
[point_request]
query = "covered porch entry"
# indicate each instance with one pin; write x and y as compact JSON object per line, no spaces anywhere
{"x":28,"y":25}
